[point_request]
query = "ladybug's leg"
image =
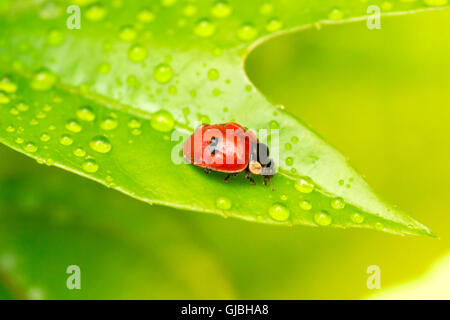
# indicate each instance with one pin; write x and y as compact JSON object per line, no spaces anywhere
{"x":270,"y":181}
{"x":228,"y":177}
{"x":249,"y":177}
{"x":207,"y":170}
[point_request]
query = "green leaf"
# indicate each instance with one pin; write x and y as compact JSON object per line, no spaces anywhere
{"x":104,"y":101}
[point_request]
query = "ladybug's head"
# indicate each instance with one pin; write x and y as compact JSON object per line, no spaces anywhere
{"x":259,"y":161}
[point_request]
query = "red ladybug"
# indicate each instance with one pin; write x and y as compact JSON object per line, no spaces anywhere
{"x":229,"y":148}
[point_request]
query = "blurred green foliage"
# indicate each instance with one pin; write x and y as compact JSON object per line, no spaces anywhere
{"x":380,"y":96}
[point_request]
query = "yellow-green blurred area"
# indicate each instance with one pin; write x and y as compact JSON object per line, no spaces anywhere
{"x":382,"y":97}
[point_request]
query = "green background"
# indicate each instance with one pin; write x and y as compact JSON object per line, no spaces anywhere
{"x":381,"y":97}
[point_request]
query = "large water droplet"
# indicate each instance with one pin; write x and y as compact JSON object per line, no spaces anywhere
{"x":137,"y":53}
{"x":247,"y":32}
{"x":127,"y":33}
{"x":322,"y":218}
{"x":90,"y":166}
{"x":204,"y":28}
{"x":279,"y":212}
{"x":357,"y":218}
{"x":305,"y":205}
{"x":162,"y":121}
{"x":73,"y":125}
{"x":100,"y":144}
{"x":109,"y":124}
{"x":335,"y":14}
{"x":7,"y":85}
{"x":338,"y":204}
{"x":304,"y":186}
{"x":86,"y":114}
{"x":43,"y":80}
{"x":221,"y":9}
{"x":95,"y":12}
{"x":30,"y":147}
{"x":163,"y":73}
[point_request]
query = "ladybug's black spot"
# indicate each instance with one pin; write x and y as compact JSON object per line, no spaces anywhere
{"x":214,"y":145}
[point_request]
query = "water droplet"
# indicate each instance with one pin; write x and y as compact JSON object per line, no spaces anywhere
{"x":273,"y":25}
{"x":335,"y":14}
{"x":223,"y":203}
{"x":44,"y":137}
{"x":22,"y":107}
{"x":266,"y":9}
{"x":190,"y":10}
{"x":86,"y":114}
{"x":247,"y":32}
{"x":322,"y":218}
{"x":137,"y":53}
{"x":163,"y":73}
{"x":90,"y":166}
{"x":279,"y":212}
{"x":304,"y":186}
{"x":74,"y":126}
{"x":213,"y":74}
{"x":100,"y":144}
{"x":216,"y":92}
{"x":4,"y":99}
{"x":288,"y":146}
{"x":104,"y":68}
{"x":145,"y":16}
{"x":338,"y":204}
{"x":357,"y":218}
{"x":7,"y":85}
{"x":436,"y":3}
{"x":294,"y":139}
{"x":79,"y":152}
{"x":221,"y":9}
{"x":136,"y":132}
{"x":204,"y":28}
{"x":127,"y":33}
{"x":274,"y":124}
{"x":43,"y":80}
{"x":65,"y":140}
{"x":19,"y":140}
{"x":168,"y":3}
{"x":34,"y":122}
{"x":55,"y":37}
{"x":172,"y":90}
{"x":379,"y":226}
{"x":283,"y":197}
{"x":305,"y":205}
{"x":134,"y":123}
{"x":109,"y":124}
{"x":30,"y":147}
{"x":95,"y":12}
{"x":289,"y":161}
{"x":162,"y":121}
{"x":10,"y":129}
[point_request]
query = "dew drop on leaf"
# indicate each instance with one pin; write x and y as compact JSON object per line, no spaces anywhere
{"x":7,"y":85}
{"x":79,"y":152}
{"x":204,"y":28}
{"x":4,"y":99}
{"x":73,"y":126}
{"x":44,"y":137}
{"x":335,"y":14}
{"x":137,"y":53}
{"x":305,"y":205}
{"x":247,"y":32}
{"x":162,"y":121}
{"x":30,"y":147}
{"x":109,"y":124}
{"x":357,"y":218}
{"x":65,"y":140}
{"x":55,"y":37}
{"x":338,"y":204}
{"x":221,"y":9}
{"x":322,"y":218}
{"x":273,"y":25}
{"x":279,"y":212}
{"x":304,"y":186}
{"x":223,"y":203}
{"x":145,"y":16}
{"x":100,"y":144}
{"x":90,"y":166}
{"x":95,"y":12}
{"x":163,"y":73}
{"x":127,"y":33}
{"x":43,"y":80}
{"x":86,"y":114}
{"x":213,"y":74}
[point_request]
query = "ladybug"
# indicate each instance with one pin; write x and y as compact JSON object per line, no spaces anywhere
{"x":229,"y":148}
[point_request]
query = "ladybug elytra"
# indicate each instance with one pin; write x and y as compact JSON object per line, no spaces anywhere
{"x":229,"y":148}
